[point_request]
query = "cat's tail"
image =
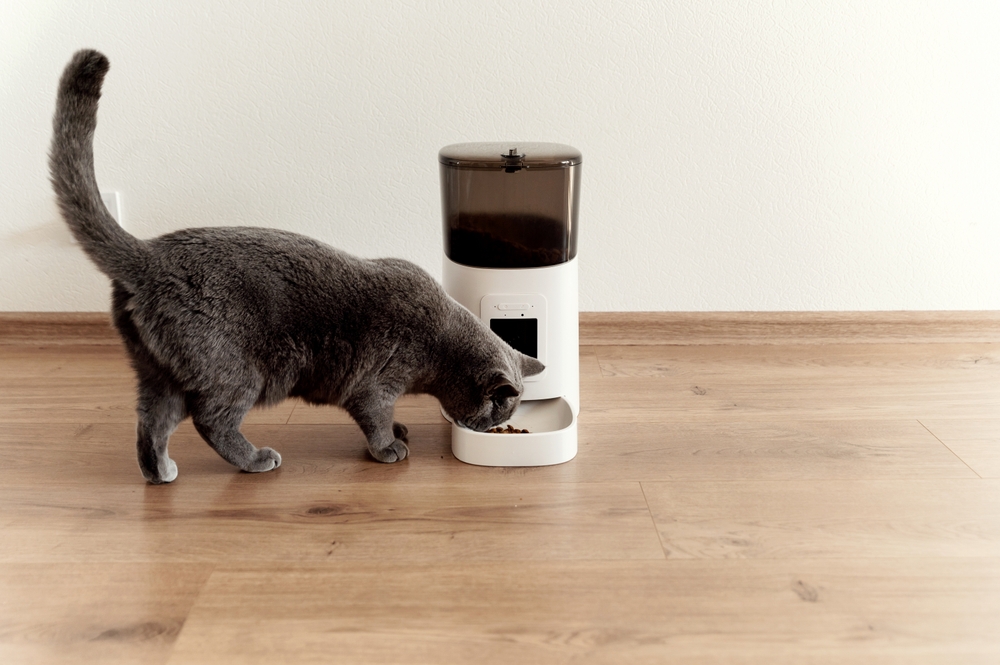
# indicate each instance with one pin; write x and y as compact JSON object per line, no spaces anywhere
{"x":117,"y":253}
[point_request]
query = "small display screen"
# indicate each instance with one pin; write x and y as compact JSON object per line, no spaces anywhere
{"x":522,"y":334}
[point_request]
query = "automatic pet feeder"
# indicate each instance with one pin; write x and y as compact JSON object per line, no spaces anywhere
{"x":510,"y":236}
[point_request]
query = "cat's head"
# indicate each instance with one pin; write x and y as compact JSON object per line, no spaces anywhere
{"x":486,"y":394}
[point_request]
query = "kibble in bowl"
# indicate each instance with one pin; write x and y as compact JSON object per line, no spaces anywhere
{"x":510,"y":429}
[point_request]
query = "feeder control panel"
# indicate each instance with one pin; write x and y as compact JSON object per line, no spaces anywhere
{"x":520,"y":320}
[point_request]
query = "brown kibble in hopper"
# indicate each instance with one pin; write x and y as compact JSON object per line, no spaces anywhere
{"x":510,"y":429}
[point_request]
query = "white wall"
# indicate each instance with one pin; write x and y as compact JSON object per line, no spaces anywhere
{"x":786,"y":155}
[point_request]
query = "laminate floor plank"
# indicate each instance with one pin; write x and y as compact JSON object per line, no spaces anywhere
{"x":701,"y":611}
{"x":83,"y":401}
{"x":827,"y":518}
{"x":976,"y":441}
{"x":853,"y":381}
{"x":94,"y":613}
{"x":779,"y":449}
{"x":272,"y":517}
{"x":410,"y":409}
{"x":657,"y":400}
{"x":21,"y":362}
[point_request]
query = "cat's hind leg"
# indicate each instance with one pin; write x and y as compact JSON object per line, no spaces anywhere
{"x":218,"y":421}
{"x":400,"y":432}
{"x":160,"y":409}
{"x":160,"y":404}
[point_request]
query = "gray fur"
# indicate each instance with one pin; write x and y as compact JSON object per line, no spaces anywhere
{"x":219,"y":320}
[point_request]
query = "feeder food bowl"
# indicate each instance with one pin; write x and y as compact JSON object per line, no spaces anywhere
{"x":551,"y":439}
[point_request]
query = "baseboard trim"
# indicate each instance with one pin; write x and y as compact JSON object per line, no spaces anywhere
{"x":52,"y":328}
{"x":691,"y":328}
{"x":628,"y":328}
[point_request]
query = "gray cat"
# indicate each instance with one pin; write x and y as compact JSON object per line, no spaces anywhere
{"x":219,"y":320}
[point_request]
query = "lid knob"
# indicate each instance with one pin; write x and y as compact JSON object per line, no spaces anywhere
{"x":512,"y":161}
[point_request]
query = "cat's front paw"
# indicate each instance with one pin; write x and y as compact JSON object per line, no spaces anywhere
{"x":265,"y":460}
{"x":394,"y":452}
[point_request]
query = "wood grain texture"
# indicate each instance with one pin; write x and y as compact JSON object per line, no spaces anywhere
{"x":782,"y":449}
{"x":95,"y":613}
{"x":71,"y":383}
{"x":827,"y":518}
{"x":976,"y":441}
{"x":737,"y":503}
{"x":701,"y":611}
{"x":218,"y":518}
{"x":853,"y":381}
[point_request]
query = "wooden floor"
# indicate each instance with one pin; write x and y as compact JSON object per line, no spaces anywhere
{"x":729,"y":504}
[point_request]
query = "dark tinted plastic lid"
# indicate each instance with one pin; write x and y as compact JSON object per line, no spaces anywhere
{"x":501,"y":155}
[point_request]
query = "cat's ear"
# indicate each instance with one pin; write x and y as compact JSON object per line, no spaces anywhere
{"x":531,"y":366}
{"x":502,"y":388}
